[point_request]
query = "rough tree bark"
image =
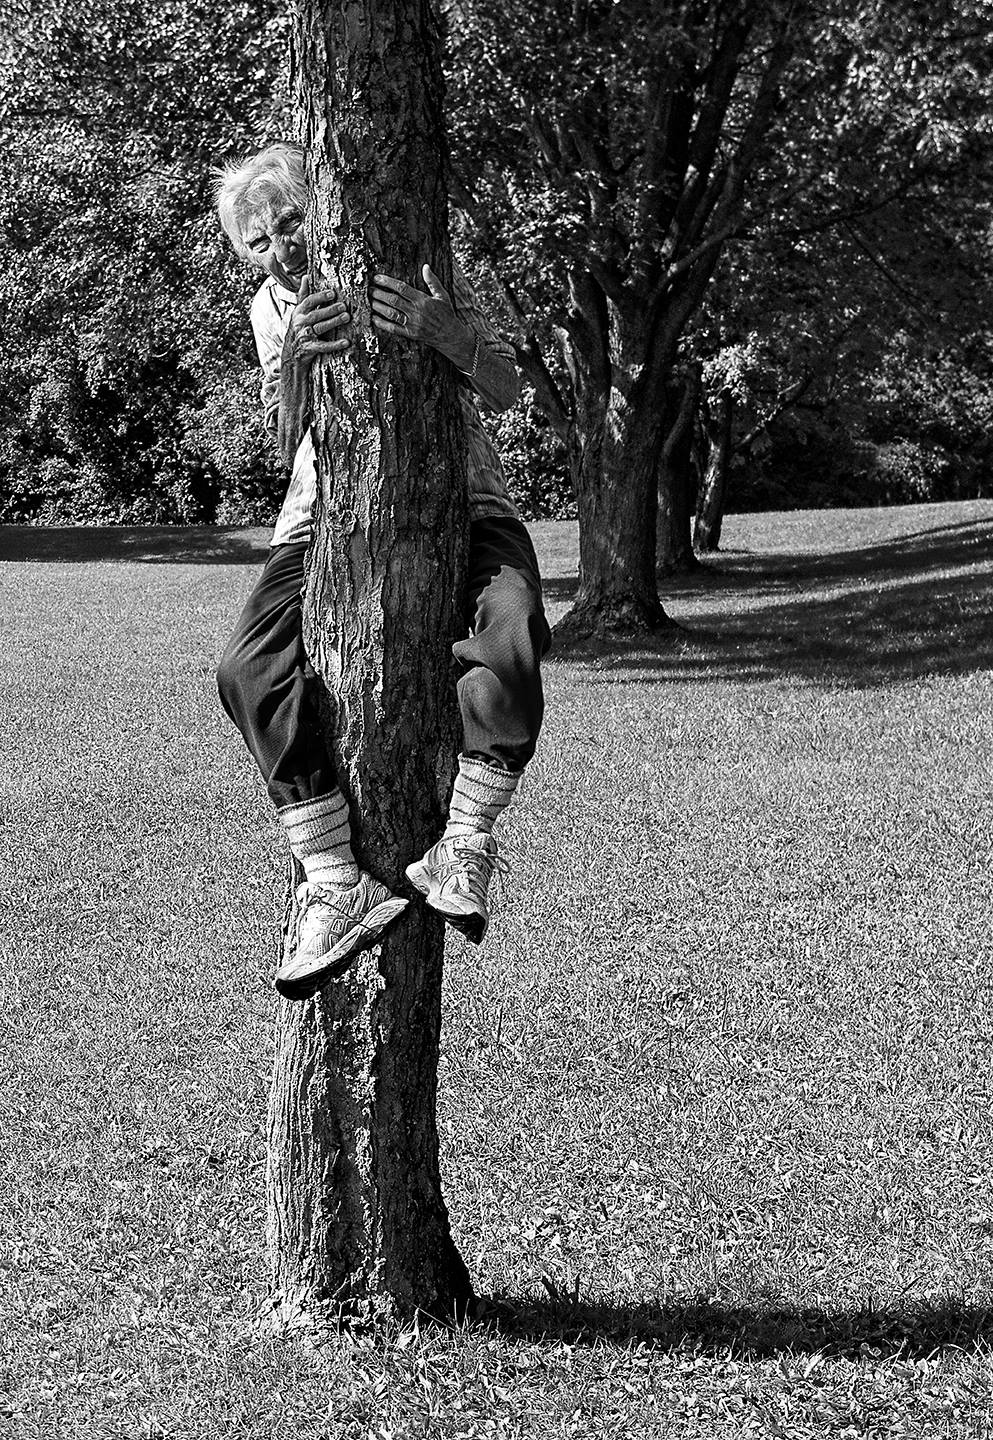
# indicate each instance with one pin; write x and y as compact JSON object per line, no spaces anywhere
{"x":358,"y":1224}
{"x":614,"y":433}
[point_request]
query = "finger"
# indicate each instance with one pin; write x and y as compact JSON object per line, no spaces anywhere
{"x":398,"y":286}
{"x":387,"y":300}
{"x":321,"y":300}
{"x":312,"y":348}
{"x":438,"y":291}
{"x":333,"y":322}
{"x":389,"y":328}
{"x":396,"y":314}
{"x":304,"y":288}
{"x":319,"y":322}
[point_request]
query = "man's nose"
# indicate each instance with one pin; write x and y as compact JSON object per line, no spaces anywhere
{"x":286,"y":247}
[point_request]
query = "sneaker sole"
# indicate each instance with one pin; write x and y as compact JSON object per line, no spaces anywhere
{"x":472,"y":926}
{"x":363,"y":936}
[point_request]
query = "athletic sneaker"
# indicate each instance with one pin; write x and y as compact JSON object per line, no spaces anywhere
{"x":455,"y":876}
{"x":333,"y":926}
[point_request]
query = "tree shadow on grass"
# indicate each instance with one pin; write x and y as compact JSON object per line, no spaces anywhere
{"x":946,"y":546}
{"x":137,"y":544}
{"x":917,"y":605}
{"x":750,"y":1331}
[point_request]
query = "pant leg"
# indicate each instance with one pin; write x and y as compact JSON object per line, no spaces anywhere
{"x":268,"y":686}
{"x":500,"y":692}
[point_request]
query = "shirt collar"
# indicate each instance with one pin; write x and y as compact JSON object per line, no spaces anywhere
{"x":288,"y":297}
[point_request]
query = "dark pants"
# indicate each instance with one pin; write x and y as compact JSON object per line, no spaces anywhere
{"x":268,"y":686}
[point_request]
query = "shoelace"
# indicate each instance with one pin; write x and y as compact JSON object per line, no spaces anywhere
{"x":464,"y":862}
{"x":320,"y":895}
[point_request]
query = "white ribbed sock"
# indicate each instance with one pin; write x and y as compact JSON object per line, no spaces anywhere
{"x":320,"y":837}
{"x":480,"y":795}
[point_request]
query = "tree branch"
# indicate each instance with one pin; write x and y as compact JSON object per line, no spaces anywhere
{"x":723,"y":199}
{"x":610,"y":280}
{"x":883,"y":268}
{"x":547,"y":394}
{"x":839,"y":216}
{"x":725,"y":67}
{"x":688,"y":261}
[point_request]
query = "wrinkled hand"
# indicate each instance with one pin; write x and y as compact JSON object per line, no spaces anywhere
{"x":313,"y":328}
{"x":313,"y":332}
{"x":409,"y":314}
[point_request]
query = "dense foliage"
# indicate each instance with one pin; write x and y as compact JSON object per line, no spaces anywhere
{"x":128,"y":376}
{"x":847,"y":324}
{"x":851,"y":320}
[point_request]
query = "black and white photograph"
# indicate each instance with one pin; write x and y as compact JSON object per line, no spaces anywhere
{"x":496,"y":682}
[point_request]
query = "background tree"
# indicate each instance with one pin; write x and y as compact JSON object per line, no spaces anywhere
{"x":621,"y":141}
{"x":819,"y":129}
{"x":357,"y":1216}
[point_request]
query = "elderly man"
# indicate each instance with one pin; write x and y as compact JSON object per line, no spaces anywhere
{"x":265,"y":680}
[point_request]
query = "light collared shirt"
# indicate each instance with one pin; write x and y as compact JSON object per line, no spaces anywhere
{"x":271,"y":309}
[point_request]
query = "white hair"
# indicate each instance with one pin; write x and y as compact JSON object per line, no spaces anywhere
{"x":276,"y":173}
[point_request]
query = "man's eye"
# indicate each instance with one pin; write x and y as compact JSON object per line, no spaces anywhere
{"x":259,"y":246}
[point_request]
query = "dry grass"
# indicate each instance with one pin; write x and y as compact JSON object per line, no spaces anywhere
{"x":715,"y":1096}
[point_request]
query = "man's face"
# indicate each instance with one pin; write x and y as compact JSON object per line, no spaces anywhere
{"x":274,"y":235}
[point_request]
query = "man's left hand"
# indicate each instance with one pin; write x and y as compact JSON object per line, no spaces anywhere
{"x":400,"y":310}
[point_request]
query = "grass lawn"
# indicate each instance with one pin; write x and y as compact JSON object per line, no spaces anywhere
{"x":716,"y":1094}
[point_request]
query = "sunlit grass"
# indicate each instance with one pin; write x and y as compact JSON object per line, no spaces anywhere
{"x":715,"y":1097}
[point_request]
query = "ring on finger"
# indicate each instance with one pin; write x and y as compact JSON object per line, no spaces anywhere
{"x":400,"y":317}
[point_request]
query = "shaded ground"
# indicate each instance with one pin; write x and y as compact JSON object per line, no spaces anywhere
{"x":887,"y":599}
{"x":753,"y":1332}
{"x":146,"y":544}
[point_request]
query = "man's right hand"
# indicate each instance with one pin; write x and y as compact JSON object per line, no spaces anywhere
{"x":312,"y":332}
{"x":314,"y":325}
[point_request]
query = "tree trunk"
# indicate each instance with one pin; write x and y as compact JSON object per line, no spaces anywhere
{"x":614,"y":465}
{"x":675,"y":493}
{"x":706,"y":85}
{"x":615,"y":442}
{"x":358,"y":1224}
{"x":713,"y":491}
